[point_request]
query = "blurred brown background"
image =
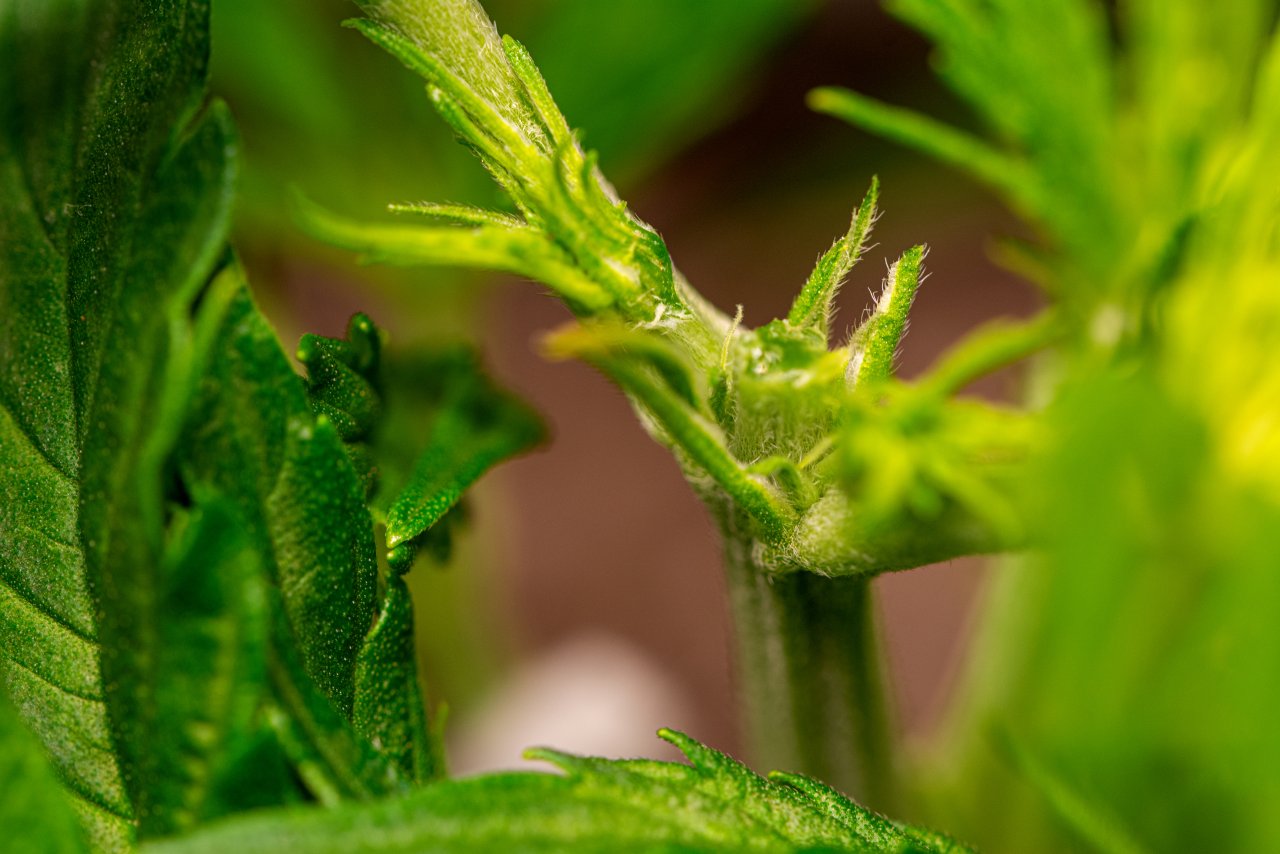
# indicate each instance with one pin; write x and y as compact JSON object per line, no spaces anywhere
{"x":588,"y":603}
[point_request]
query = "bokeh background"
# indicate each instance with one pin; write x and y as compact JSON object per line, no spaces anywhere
{"x":585,"y":605}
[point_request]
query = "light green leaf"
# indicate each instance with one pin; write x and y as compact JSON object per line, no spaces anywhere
{"x":812,"y":306}
{"x":874,"y":345}
{"x":512,"y":248}
{"x":490,"y":93}
{"x":712,"y":804}
{"x":477,"y":426}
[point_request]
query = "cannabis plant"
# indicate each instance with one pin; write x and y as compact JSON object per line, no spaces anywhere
{"x":207,"y":636}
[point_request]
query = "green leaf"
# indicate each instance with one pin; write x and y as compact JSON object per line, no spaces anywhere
{"x":199,"y":685}
{"x":35,"y":814}
{"x":812,"y":306}
{"x":389,"y":707}
{"x":874,"y":345}
{"x":477,"y":426}
{"x":114,"y":201}
{"x":332,"y":760}
{"x":342,"y":385}
{"x":1135,"y":654}
{"x":136,"y":412}
{"x":712,"y":804}
{"x":342,"y":377}
{"x":252,"y":437}
{"x":473,"y":425}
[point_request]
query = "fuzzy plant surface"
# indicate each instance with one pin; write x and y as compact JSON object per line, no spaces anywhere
{"x":203,"y":610}
{"x":820,"y":467}
{"x":206,"y":639}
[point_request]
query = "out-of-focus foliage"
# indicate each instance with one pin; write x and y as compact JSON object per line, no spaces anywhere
{"x":35,"y":800}
{"x":1129,"y":671}
{"x":646,"y":79}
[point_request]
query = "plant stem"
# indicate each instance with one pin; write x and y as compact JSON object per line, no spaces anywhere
{"x":808,"y":659}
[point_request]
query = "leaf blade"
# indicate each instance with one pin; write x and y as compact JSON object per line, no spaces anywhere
{"x":715,"y":804}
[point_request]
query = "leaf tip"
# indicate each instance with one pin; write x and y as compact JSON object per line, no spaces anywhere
{"x":566,"y":762}
{"x":825,"y":99}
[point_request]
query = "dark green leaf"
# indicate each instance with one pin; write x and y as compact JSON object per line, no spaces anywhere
{"x":155,"y":467}
{"x":332,"y":761}
{"x":253,"y":438}
{"x":200,"y":682}
{"x":389,"y":707}
{"x":136,"y":415}
{"x":597,"y":805}
{"x":114,"y":200}
{"x":342,"y":385}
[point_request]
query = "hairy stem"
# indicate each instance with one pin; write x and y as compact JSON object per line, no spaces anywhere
{"x":808,"y":659}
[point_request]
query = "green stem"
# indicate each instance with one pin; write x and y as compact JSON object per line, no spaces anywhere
{"x":809,"y":668}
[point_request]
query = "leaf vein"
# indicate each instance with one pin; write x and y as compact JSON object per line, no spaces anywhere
{"x":44,"y":611}
{"x":79,"y":695}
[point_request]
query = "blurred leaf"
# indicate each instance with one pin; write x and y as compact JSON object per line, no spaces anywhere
{"x":669,"y":68}
{"x":1107,"y":151}
{"x":1136,"y":656}
{"x":200,"y":680}
{"x":35,"y":814}
{"x":1132,"y":662}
